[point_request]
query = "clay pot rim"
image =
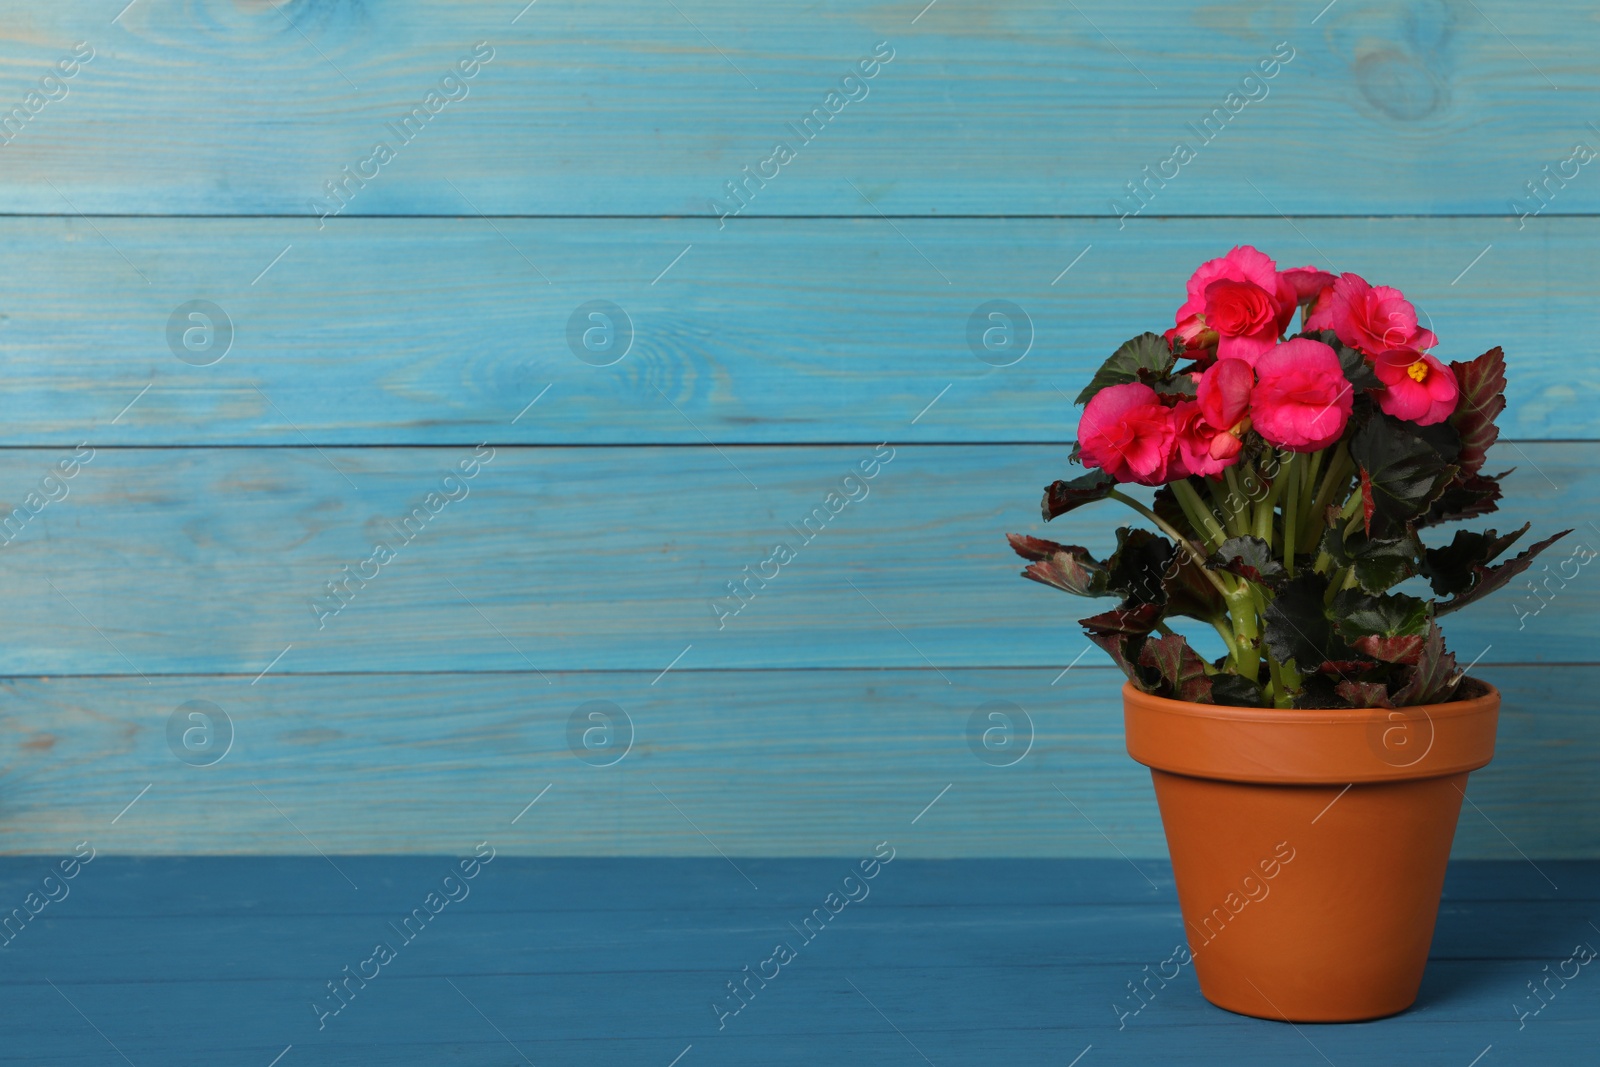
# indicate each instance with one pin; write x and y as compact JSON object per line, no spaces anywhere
{"x":1471,"y":706}
{"x":1310,"y":746}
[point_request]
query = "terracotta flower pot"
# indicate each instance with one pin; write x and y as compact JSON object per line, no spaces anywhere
{"x":1309,"y":847}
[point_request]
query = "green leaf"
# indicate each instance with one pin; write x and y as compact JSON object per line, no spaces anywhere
{"x":1450,"y":570}
{"x":1297,"y":628}
{"x":1486,"y":580}
{"x":1250,"y":558}
{"x":1380,"y":563}
{"x":1358,"y":614}
{"x":1062,"y":497}
{"x":1434,"y":678}
{"x":1443,"y":437}
{"x":1402,"y":474}
{"x":1181,"y":671}
{"x":1146,"y":358}
{"x":1383,"y":563}
{"x":1482,"y":387}
{"x":1066,"y":567}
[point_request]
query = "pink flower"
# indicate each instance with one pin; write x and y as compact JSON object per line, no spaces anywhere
{"x":1307,"y":282}
{"x":1209,"y":429}
{"x":1370,"y":318}
{"x":1201,"y":448}
{"x":1241,"y":298}
{"x":1224,"y":392}
{"x":1416,"y":387}
{"x":1245,"y":317}
{"x":1302,"y":400}
{"x":1198,"y":342}
{"x":1128,"y":433}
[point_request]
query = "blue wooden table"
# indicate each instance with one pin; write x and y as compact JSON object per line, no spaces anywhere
{"x":203,"y":961}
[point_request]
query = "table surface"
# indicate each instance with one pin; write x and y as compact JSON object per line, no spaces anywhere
{"x":218,"y":960}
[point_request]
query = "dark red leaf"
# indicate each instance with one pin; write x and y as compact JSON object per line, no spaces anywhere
{"x":1364,"y":694}
{"x":1403,"y":649}
{"x":1482,"y":397}
{"x":1250,"y":558}
{"x":1190,"y":592}
{"x":1466,"y":497}
{"x":1139,"y":566}
{"x":1062,"y":497}
{"x":1126,"y":619}
{"x":1181,"y":670}
{"x":1345,"y":667}
{"x":1454,"y":568}
{"x":1119,"y":647}
{"x":1033,"y":547}
{"x":1486,"y":580}
{"x":1065,"y":567}
{"x":1433,"y":679}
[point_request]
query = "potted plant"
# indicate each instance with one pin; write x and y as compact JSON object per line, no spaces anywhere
{"x":1310,"y":778}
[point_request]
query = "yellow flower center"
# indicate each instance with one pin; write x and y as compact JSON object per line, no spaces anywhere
{"x":1418,"y":371}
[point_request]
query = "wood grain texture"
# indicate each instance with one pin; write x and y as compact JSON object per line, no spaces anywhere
{"x":394,"y":331}
{"x":757,"y":763}
{"x":1014,"y":962}
{"x":1025,"y":107}
{"x":372,"y":351}
{"x":215,"y":560}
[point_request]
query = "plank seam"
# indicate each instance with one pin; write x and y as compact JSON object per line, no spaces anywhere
{"x":59,"y":676}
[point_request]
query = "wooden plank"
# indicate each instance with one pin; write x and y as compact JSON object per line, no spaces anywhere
{"x":554,"y":940}
{"x":526,"y":954}
{"x":219,"y":560}
{"x":1029,"y":107}
{"x":774,"y":331}
{"x":957,"y":1016}
{"x":161,"y":887}
{"x":752,"y":763}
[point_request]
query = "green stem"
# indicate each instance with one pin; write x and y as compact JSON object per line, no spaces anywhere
{"x":1263,"y":515}
{"x":1239,"y":504}
{"x":1199,"y":512}
{"x":1335,"y":583}
{"x":1224,"y":632}
{"x":1182,"y":541}
{"x":1352,"y":513}
{"x":1291,"y":512}
{"x":1247,"y":654}
{"x":1337,"y":476}
{"x":1310,"y":465}
{"x":1281,"y":697}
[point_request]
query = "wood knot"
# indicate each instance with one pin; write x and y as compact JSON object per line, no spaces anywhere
{"x":1399,"y":85}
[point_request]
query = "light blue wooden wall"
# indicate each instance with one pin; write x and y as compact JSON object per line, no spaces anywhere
{"x":772,"y":353}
